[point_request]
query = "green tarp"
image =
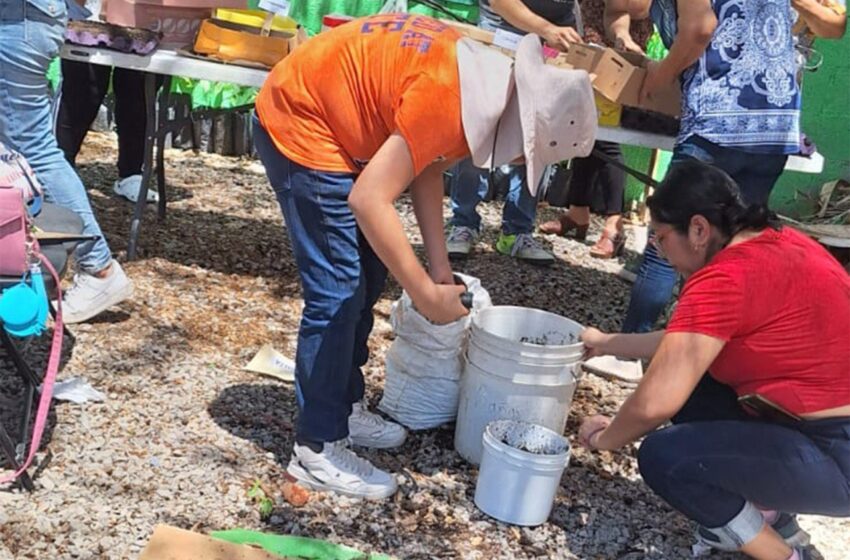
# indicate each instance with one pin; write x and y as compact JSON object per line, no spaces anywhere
{"x":302,"y":548}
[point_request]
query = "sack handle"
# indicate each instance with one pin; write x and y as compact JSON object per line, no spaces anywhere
{"x":49,"y":377}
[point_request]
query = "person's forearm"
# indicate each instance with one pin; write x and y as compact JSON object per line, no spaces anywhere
{"x":628,"y":425}
{"x":427,"y":195}
{"x":822,"y":20}
{"x":384,"y":231}
{"x":517,"y":14}
{"x":696,"y":25}
{"x":617,"y":22}
{"x":632,"y":346}
{"x":687,"y":48}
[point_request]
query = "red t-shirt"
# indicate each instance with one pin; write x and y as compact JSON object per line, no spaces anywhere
{"x":782,"y":304}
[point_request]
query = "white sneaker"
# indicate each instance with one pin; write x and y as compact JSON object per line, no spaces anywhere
{"x":90,"y":295}
{"x":459,"y":241}
{"x":368,"y":429}
{"x":337,"y":469}
{"x":129,"y":188}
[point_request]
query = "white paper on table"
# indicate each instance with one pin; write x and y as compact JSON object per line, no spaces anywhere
{"x":279,"y":7}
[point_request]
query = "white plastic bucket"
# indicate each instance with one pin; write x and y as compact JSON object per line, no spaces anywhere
{"x":520,"y":472}
{"x":506,"y":378}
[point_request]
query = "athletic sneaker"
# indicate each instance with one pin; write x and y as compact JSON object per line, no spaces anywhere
{"x":368,"y":429}
{"x":788,"y":528}
{"x":129,"y":188}
{"x":785,"y":524}
{"x":89,"y":295}
{"x":337,"y":469}
{"x":459,"y":242}
{"x":524,"y":247}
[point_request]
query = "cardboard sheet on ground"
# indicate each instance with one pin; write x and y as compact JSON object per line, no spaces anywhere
{"x":630,"y":371}
{"x":269,"y":361}
{"x":171,"y":543}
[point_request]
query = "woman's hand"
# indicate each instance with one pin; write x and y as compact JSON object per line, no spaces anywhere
{"x":626,"y":43}
{"x":595,"y":342}
{"x":591,"y":429}
{"x":561,"y":37}
{"x":441,"y":304}
{"x":657,"y":78}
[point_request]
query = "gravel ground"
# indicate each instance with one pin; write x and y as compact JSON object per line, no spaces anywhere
{"x":185,"y":432}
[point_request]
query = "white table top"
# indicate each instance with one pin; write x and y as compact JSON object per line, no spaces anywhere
{"x":166,"y":61}
{"x":802,"y":164}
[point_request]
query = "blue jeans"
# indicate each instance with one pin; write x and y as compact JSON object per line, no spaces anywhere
{"x":716,"y":457}
{"x":341,"y":278}
{"x":755,"y":175}
{"x":31,"y":33}
{"x":468,"y":188}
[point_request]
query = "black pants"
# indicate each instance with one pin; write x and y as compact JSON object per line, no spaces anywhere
{"x":83,"y":88}
{"x":591,"y":173}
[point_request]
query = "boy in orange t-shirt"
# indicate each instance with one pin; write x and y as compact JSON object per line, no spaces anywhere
{"x":344,"y":125}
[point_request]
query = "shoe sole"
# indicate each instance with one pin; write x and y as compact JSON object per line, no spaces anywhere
{"x":377,"y":445}
{"x":304,"y":479}
{"x":117,"y":298}
{"x":458,"y":256}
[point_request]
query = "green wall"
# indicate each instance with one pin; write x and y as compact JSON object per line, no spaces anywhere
{"x":826,"y":120}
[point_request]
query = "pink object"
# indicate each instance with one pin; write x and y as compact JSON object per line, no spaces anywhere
{"x":13,"y":232}
{"x":549,"y":52}
{"x":177,"y":20}
{"x":49,"y":378}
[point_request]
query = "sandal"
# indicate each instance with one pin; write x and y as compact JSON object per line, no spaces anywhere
{"x":608,"y":246}
{"x":563,"y":225}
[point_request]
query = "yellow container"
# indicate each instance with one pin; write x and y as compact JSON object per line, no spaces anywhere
{"x":609,"y":112}
{"x":232,"y":42}
{"x":255,"y":18}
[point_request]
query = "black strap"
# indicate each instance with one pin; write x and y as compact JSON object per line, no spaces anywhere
{"x":643,"y":178}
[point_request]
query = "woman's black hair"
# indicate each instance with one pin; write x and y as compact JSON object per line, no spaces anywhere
{"x":693,"y":187}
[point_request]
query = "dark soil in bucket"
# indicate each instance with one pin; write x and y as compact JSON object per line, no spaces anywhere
{"x":552,"y":338}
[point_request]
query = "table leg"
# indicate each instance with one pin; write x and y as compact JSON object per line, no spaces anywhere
{"x":150,"y":138}
{"x":162,"y":132}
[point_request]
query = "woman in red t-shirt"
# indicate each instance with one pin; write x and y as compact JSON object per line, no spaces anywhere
{"x":766,"y":312}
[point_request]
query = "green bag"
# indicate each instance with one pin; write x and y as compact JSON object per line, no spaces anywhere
{"x":288,"y":546}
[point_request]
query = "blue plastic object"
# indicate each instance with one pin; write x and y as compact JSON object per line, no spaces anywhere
{"x":23,"y":307}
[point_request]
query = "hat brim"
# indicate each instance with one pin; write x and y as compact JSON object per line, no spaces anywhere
{"x":529,"y":61}
{"x":557,"y":111}
{"x":486,"y":89}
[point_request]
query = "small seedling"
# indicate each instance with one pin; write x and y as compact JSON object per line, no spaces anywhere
{"x":265,"y":505}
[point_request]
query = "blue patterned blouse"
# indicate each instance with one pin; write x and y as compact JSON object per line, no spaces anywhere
{"x":742,"y":92}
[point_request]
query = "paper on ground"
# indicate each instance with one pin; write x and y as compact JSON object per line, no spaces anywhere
{"x":615,"y":368}
{"x":269,"y":361}
{"x":76,"y":390}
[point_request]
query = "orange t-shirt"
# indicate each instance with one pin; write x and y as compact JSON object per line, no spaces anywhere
{"x":336,"y":99}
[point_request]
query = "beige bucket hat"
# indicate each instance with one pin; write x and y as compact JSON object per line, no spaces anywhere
{"x":525,"y":107}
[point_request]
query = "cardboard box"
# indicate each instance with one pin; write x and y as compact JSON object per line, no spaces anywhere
{"x":583,"y":57}
{"x":171,"y":543}
{"x":502,"y":41}
{"x":471,"y":31}
{"x":619,"y":77}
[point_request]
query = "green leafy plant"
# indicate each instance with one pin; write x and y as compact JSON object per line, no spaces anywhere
{"x":265,"y":505}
